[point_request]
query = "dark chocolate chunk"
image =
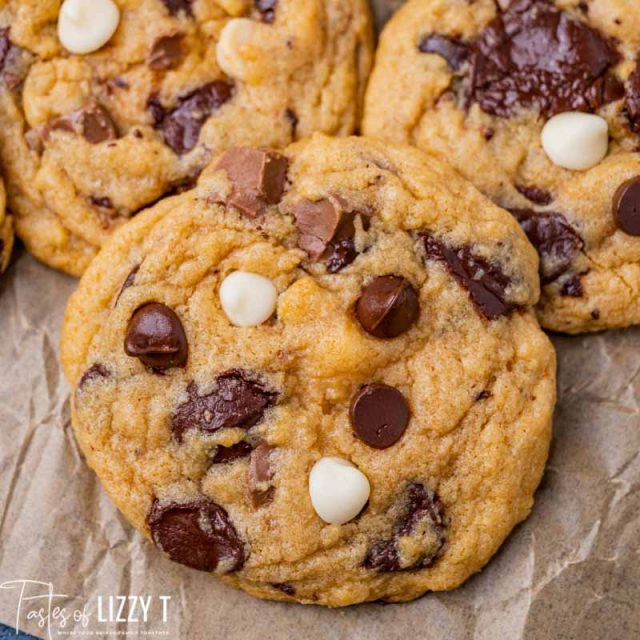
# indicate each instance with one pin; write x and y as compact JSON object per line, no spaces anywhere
{"x":199,"y":535}
{"x":555,"y":240}
{"x":129,"y":281}
{"x":572,"y":288}
{"x":284,"y":587}
{"x":632,"y":105}
{"x":536,"y":195}
{"x":177,"y":6}
{"x":93,"y":122}
{"x":267,"y":9}
{"x":156,"y":337}
{"x":181,"y":125}
{"x":486,"y":283}
{"x":237,"y":400}
{"x":388,"y":307}
{"x":327,"y":232}
{"x":94,"y":372}
{"x":379,"y":415}
{"x":422,"y":518}
{"x":237,"y":451}
{"x":260,"y":475}
{"x":454,"y":51}
{"x":626,"y":207}
{"x":167,"y":53}
{"x":258,"y":178}
{"x":533,"y":55}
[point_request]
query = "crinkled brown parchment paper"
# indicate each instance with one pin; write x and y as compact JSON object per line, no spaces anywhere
{"x":571,"y":571}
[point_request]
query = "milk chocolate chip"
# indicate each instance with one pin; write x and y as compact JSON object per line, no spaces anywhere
{"x":199,"y":535}
{"x":452,"y":50}
{"x":485,"y":282}
{"x":93,"y":122}
{"x":230,"y":454}
{"x":156,"y":337}
{"x":626,"y":207}
{"x":166,"y":53}
{"x":388,"y":307}
{"x":236,"y":401}
{"x":260,"y":475}
{"x":181,"y":125}
{"x":379,"y":415}
{"x":421,"y":526}
{"x":258,"y":178}
{"x":533,"y":55}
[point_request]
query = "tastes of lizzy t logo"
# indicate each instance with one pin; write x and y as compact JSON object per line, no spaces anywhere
{"x":38,"y":603}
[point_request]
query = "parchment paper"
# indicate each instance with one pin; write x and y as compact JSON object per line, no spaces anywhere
{"x":571,"y":571}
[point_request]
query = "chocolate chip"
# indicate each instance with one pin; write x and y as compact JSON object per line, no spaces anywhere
{"x":260,"y":475}
{"x":156,"y":337}
{"x":93,"y":122}
{"x":534,"y":194}
{"x":103,"y":203}
{"x":199,"y":535}
{"x":572,"y":288}
{"x":453,"y":50}
{"x":534,"y":55}
{"x":230,"y":454}
{"x":129,"y":280}
{"x":423,"y":522}
{"x":258,"y":178}
{"x":483,"y":395}
{"x":14,"y":62}
{"x":293,"y":120}
{"x":267,"y":9}
{"x":595,"y":314}
{"x":379,"y":415}
{"x":327,"y":232}
{"x":176,"y":6}
{"x":555,"y":240}
{"x":284,"y":587}
{"x":388,"y":307}
{"x":94,"y":372}
{"x":485,"y":282}
{"x":181,"y":125}
{"x":626,"y":207}
{"x":166,"y":53}
{"x":632,"y":105}
{"x":237,"y":401}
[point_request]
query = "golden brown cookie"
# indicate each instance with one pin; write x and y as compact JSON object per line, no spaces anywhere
{"x":341,"y":398}
{"x":488,"y":86}
{"x":153,"y":90}
{"x":6,"y":231}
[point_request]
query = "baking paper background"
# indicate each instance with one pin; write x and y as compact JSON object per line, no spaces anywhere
{"x":572,"y":570}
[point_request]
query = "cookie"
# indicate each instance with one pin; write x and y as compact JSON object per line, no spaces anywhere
{"x":107,"y":107}
{"x":6,"y":231}
{"x":342,"y":397}
{"x":538,"y":104}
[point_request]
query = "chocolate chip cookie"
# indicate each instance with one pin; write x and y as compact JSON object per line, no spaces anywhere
{"x":108,"y":106}
{"x":317,"y":375}
{"x":537,"y":102}
{"x":6,"y":231}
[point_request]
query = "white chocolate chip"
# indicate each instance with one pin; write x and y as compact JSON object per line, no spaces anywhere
{"x":577,"y":141}
{"x":338,"y":490}
{"x":236,"y":36}
{"x":85,"y":26}
{"x":248,"y":299}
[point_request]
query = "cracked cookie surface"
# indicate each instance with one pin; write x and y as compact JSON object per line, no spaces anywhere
{"x":402,"y":342}
{"x":476,"y":83}
{"x":6,"y":230}
{"x":89,"y":140}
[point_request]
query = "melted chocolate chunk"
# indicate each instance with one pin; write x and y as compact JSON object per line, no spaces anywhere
{"x":327,"y":232}
{"x":486,"y":283}
{"x":534,"y":55}
{"x":538,"y":196}
{"x":555,"y":240}
{"x":260,"y":475}
{"x":94,"y":372}
{"x":267,"y":9}
{"x":177,"y":6}
{"x":129,"y":281}
{"x":258,"y":178}
{"x":230,"y":454}
{"x":93,"y":122}
{"x":572,"y":288}
{"x":237,"y":401}
{"x":181,"y":125}
{"x":379,"y":415}
{"x":632,"y":106}
{"x":452,"y":50}
{"x":423,"y":519}
{"x":167,"y":53}
{"x":388,"y":307}
{"x":199,"y":535}
{"x":156,"y":337}
{"x":626,"y":207}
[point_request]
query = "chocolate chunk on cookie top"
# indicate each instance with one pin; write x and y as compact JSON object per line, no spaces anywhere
{"x":343,"y":399}
{"x":537,"y":103}
{"x":128,"y":102}
{"x":626,"y":207}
